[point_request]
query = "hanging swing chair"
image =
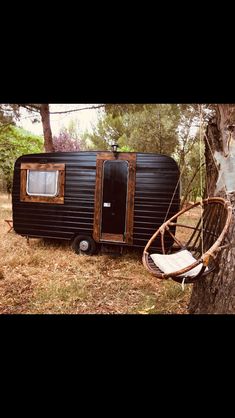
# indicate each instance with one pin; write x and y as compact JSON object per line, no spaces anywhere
{"x":196,"y":241}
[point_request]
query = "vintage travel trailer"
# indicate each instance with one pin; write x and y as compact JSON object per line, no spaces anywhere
{"x":93,"y":197}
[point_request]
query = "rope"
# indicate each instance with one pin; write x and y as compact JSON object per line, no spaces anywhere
{"x":202,"y":132}
{"x":173,"y":195}
{"x":201,"y":183}
{"x":201,"y":137}
{"x":183,"y":169}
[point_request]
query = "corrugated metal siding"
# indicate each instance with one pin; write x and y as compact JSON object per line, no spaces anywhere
{"x":59,"y":221}
{"x":156,"y":178}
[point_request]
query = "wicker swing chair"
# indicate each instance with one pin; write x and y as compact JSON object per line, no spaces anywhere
{"x":194,"y":256}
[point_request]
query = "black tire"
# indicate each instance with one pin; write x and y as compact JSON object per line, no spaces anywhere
{"x":83,"y":244}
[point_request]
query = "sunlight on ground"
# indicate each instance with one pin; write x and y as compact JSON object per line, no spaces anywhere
{"x":48,"y":277}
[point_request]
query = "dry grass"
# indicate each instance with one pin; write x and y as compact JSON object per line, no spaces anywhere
{"x":47,"y":277}
{"x":189,"y":218}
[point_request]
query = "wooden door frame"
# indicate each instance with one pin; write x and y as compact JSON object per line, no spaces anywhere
{"x":101,"y":158}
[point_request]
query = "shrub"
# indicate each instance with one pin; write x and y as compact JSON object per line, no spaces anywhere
{"x":64,"y":142}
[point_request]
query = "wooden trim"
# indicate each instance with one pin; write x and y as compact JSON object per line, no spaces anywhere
{"x":130,"y":200}
{"x":112,"y":237}
{"x":59,"y":199}
{"x":43,"y":167}
{"x":131,"y":159}
{"x":104,"y":156}
{"x":98,"y":199}
{"x":23,"y":178}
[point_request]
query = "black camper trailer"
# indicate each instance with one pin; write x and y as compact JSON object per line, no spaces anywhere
{"x":93,"y":198}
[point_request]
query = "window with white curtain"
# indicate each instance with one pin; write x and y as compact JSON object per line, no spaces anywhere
{"x":42,"y":183}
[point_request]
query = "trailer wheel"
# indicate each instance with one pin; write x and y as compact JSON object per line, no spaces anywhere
{"x":84,"y":245}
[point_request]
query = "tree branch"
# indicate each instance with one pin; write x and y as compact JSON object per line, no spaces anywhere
{"x":77,"y":110}
{"x":31,"y":108}
{"x":36,"y":108}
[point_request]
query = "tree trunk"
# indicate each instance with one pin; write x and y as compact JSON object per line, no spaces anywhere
{"x":45,"y":116}
{"x":215,"y":293}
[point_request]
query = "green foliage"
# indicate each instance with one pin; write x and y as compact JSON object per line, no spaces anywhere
{"x":72,"y":129}
{"x":108,"y":129}
{"x":162,"y":128}
{"x":122,"y":109}
{"x":142,"y":128}
{"x":193,"y":178}
{"x":15,"y":142}
{"x":189,"y":152}
{"x":154,"y":129}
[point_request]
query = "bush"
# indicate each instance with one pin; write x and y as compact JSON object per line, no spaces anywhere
{"x":15,"y":142}
{"x":64,"y":142}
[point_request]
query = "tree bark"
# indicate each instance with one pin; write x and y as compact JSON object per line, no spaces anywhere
{"x":45,"y":116}
{"x":215,"y":294}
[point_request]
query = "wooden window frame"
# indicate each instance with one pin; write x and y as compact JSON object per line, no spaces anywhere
{"x":101,"y":158}
{"x":24,"y":197}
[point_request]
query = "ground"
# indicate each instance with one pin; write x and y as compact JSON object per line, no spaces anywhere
{"x":46,"y":277}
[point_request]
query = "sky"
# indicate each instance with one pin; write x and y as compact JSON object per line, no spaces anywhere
{"x":83,"y":119}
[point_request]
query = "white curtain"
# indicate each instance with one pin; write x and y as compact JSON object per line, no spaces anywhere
{"x":42,"y":183}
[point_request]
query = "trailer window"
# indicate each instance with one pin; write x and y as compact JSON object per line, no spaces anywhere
{"x":42,"y":183}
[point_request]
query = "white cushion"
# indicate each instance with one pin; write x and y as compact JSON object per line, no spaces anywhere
{"x":171,"y":263}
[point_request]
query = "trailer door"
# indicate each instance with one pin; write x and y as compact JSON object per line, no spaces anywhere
{"x":114,"y":199}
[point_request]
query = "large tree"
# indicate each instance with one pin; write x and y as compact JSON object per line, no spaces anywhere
{"x":45,"y":117}
{"x":139,"y":128}
{"x":10,"y":112}
{"x":216,"y":292}
{"x":44,"y":111}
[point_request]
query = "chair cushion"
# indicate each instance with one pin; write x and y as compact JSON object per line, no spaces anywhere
{"x":171,"y":263}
